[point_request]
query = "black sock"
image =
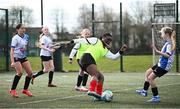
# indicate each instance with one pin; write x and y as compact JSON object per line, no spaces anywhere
{"x":79,"y":80}
{"x":27,"y":81}
{"x":51,"y":73}
{"x":38,"y":74}
{"x":146,"y":85}
{"x":15,"y":82}
{"x":154,"y":91}
{"x":85,"y":78}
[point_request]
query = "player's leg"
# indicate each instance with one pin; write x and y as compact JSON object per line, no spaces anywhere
{"x":85,"y":78}
{"x":79,"y":80}
{"x":45,"y":70}
{"x":151,"y":79}
{"x":27,"y":67}
{"x":18,"y":69}
{"x":51,"y":73}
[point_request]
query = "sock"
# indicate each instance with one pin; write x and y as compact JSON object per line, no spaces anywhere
{"x":38,"y":74}
{"x":93,"y":84}
{"x":51,"y":73}
{"x":15,"y":82}
{"x":85,"y":78}
{"x":154,"y":91}
{"x":146,"y":85}
{"x":99,"y":89}
{"x":79,"y":80}
{"x":27,"y":81}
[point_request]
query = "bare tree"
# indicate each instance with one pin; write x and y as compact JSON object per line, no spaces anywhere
{"x":14,"y":15}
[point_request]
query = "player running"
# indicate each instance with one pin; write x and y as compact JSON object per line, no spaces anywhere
{"x":79,"y":49}
{"x":98,"y":49}
{"x":19,"y":60}
{"x":163,"y":66}
{"x":46,"y":56}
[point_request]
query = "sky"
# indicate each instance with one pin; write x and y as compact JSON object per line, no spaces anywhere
{"x":69,"y":7}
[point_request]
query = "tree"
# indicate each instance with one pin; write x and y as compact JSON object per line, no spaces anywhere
{"x":14,"y":16}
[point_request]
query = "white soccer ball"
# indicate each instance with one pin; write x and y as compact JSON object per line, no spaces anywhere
{"x":107,"y":96}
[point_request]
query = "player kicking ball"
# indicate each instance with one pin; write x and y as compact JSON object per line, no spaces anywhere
{"x":98,"y":49}
{"x":163,"y":66}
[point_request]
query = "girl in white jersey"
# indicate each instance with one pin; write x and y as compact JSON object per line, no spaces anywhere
{"x":164,"y":64}
{"x":46,"y":56}
{"x":19,"y":61}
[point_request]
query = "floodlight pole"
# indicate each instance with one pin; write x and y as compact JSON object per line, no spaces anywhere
{"x":41,"y":13}
{"x":93,"y":18}
{"x":20,"y":15}
{"x":177,"y":38}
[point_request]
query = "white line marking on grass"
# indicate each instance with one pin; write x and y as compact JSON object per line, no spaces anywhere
{"x":40,"y":101}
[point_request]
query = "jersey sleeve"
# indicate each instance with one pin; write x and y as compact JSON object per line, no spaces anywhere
{"x":43,"y":40}
{"x":112,"y":56}
{"x":14,"y":42}
{"x":168,"y":49}
{"x":91,"y":41}
{"x":74,"y":50}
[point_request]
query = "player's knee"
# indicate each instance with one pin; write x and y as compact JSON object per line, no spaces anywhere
{"x":19,"y":73}
{"x":45,"y":70}
{"x":150,"y":79}
{"x":52,"y":69}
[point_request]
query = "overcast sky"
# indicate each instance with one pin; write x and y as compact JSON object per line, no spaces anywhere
{"x":70,"y":8}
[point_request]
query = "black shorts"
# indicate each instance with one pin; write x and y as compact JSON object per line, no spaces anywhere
{"x":21,"y":60}
{"x":158,"y":71}
{"x":46,"y":58}
{"x":86,"y":60}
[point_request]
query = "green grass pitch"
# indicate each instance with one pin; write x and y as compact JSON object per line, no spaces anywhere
{"x":123,"y":86}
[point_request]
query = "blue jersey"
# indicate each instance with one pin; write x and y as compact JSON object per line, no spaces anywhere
{"x":164,"y":62}
{"x":20,"y":45}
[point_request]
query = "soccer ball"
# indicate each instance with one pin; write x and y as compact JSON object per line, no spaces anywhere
{"x":107,"y":96}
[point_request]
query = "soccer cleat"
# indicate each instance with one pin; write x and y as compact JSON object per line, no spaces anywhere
{"x":98,"y":99}
{"x":77,"y":88}
{"x":94,"y":94}
{"x":51,"y":85}
{"x":13,"y":93}
{"x":154,"y":99}
{"x":83,"y":89}
{"x":142,"y":92}
{"x":27,"y":92}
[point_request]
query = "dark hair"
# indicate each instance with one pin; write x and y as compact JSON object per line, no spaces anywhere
{"x":17,"y":27}
{"x":105,"y":35}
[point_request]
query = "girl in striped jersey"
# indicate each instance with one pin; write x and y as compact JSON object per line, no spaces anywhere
{"x":19,"y":60}
{"x":46,"y":56}
{"x":79,"y":49}
{"x":164,"y":64}
{"x":98,"y":48}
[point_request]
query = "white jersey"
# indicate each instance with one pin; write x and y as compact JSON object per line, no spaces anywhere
{"x":47,"y":42}
{"x":19,"y":44}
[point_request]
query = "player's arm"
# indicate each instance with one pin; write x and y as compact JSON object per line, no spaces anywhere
{"x":167,"y":54}
{"x":13,"y":44}
{"x":73,"y":52}
{"x":112,"y":56}
{"x":42,"y":45}
{"x":91,"y":41}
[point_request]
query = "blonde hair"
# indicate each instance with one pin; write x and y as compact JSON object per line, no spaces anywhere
{"x":84,"y":31}
{"x":172,"y":34}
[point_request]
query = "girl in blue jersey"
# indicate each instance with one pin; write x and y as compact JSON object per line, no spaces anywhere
{"x":164,"y":64}
{"x":19,"y":61}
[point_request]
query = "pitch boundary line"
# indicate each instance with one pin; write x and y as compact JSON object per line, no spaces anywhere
{"x":67,"y":97}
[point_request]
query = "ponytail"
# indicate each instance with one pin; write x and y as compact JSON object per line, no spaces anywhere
{"x":173,"y":38}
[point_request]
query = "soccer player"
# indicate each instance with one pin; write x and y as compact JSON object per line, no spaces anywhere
{"x":164,"y":64}
{"x":46,"y":56}
{"x":98,"y":49}
{"x":79,"y":49}
{"x":19,"y":60}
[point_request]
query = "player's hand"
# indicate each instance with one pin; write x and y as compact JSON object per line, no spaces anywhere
{"x":154,"y":48}
{"x":70,"y":61}
{"x":123,"y":48}
{"x":13,"y":64}
{"x":52,"y":50}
